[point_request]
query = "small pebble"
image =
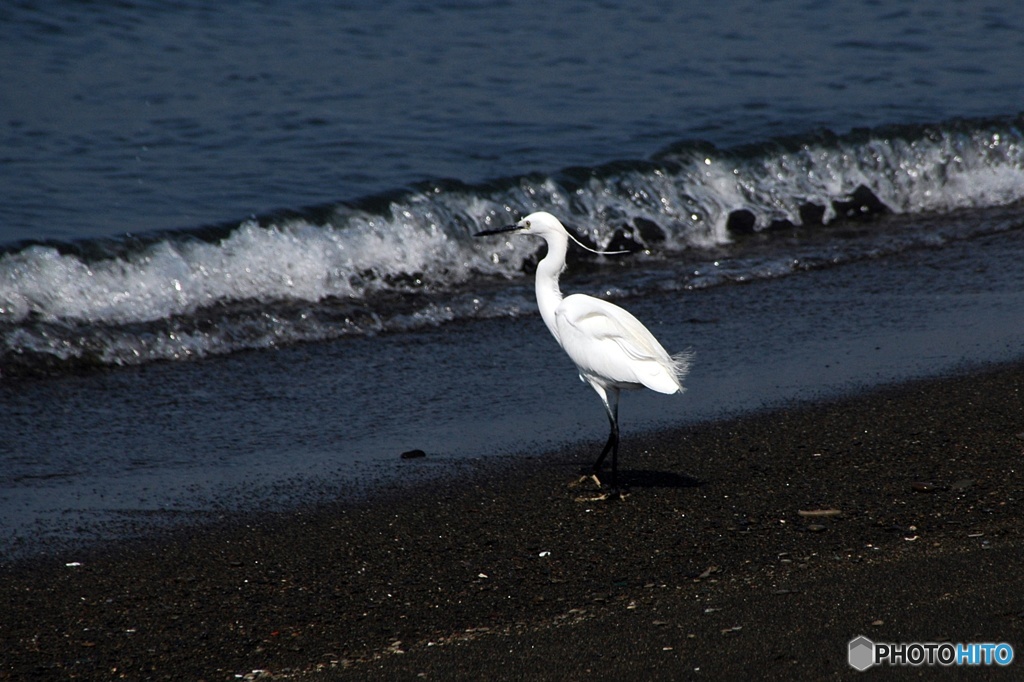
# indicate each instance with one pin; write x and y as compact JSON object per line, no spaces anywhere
{"x":413,"y":454}
{"x":923,"y":487}
{"x":707,"y":572}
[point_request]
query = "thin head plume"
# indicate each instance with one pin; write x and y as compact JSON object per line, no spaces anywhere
{"x":587,"y":248}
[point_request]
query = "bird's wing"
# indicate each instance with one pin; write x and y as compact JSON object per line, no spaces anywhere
{"x":608,"y":343}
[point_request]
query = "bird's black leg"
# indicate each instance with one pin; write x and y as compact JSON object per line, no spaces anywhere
{"x":613,"y":443}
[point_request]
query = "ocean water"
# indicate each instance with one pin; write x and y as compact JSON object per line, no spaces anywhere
{"x":236,"y":254}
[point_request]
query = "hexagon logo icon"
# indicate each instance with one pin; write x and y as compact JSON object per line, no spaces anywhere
{"x":862,"y":653}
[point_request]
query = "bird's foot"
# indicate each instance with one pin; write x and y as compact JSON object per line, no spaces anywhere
{"x":583,"y":480}
{"x":603,"y":494}
{"x":617,"y":493}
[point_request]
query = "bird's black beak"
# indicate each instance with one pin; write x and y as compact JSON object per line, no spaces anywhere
{"x":498,"y":230}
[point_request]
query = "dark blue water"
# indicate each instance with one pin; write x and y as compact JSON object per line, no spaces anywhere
{"x":236,"y":262}
{"x":131,"y":117}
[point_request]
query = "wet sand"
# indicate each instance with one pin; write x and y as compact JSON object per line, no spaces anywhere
{"x":756,"y":547}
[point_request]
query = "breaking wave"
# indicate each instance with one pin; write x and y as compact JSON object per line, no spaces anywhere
{"x":404,"y":260}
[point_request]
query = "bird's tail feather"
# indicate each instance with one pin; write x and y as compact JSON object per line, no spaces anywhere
{"x":681,"y":365}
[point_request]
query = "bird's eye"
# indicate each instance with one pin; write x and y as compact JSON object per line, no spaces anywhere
{"x":527,"y":223}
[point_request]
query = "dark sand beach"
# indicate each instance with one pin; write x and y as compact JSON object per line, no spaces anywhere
{"x":755,"y":548}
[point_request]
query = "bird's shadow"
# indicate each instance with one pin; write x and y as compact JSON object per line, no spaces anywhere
{"x":648,"y":478}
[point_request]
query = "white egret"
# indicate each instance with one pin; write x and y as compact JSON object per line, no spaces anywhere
{"x":611,"y":348}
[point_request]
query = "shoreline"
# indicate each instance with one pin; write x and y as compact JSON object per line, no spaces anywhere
{"x":707,"y":568}
{"x":251,"y":429}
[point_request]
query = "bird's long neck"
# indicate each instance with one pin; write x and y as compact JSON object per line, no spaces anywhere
{"x":548,"y":270}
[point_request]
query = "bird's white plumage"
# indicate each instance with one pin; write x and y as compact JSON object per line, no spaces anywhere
{"x":609,"y":345}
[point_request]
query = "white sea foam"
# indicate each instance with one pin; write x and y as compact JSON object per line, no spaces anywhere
{"x":938,"y":173}
{"x":294,"y":261}
{"x":68,"y":306}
